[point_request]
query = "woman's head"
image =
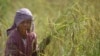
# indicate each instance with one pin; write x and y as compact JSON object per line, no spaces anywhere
{"x":22,"y":21}
{"x":21,"y":15}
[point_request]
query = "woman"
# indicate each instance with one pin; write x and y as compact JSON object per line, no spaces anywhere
{"x":22,"y":41}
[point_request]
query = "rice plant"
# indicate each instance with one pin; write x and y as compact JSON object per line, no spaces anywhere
{"x":73,"y":26}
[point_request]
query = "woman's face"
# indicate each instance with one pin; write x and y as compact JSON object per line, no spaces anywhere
{"x":24,"y":27}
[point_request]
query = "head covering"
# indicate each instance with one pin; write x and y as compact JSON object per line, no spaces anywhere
{"x":21,"y":15}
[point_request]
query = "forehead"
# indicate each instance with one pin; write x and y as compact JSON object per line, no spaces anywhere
{"x":27,"y":20}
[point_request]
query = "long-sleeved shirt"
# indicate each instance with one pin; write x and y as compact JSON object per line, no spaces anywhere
{"x":15,"y":45}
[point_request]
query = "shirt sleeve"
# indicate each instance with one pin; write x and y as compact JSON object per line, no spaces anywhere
{"x":11,"y":48}
{"x":35,"y":46}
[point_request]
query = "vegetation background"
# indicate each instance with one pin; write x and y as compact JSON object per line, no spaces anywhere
{"x":74,"y":25}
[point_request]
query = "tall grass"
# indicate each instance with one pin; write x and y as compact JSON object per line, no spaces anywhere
{"x":74,"y":25}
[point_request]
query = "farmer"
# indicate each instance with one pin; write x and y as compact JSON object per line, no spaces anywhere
{"x":22,"y":39}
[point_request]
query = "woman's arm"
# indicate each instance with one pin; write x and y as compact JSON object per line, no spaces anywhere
{"x":35,"y":46}
{"x":11,"y":48}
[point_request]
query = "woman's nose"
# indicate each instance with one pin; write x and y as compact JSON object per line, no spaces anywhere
{"x":25,"y":24}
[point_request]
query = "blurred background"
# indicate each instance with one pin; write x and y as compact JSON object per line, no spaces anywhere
{"x":73,"y":26}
